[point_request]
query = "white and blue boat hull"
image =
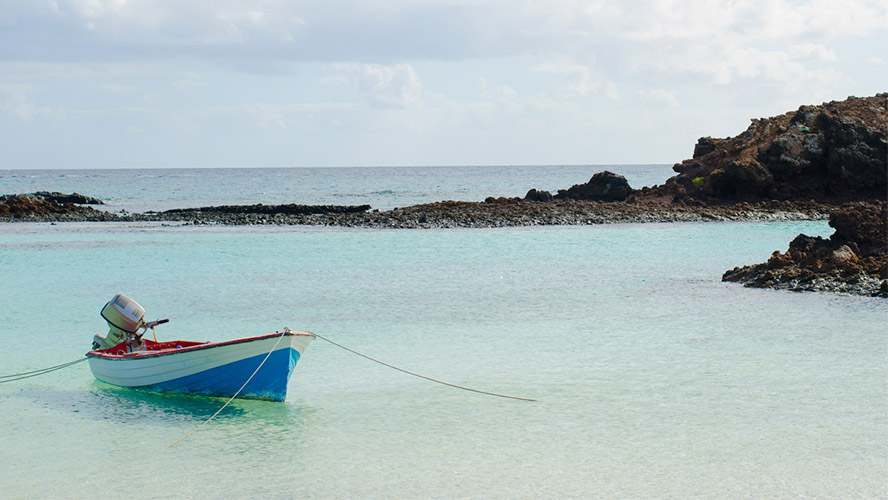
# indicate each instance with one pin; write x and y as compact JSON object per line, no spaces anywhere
{"x":212,"y":369}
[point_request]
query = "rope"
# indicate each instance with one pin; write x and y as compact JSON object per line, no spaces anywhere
{"x":205,"y":422}
{"x":421,"y":376}
{"x":183,"y":438}
{"x":42,"y":371}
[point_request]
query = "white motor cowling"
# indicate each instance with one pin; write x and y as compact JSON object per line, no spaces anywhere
{"x":124,"y":316}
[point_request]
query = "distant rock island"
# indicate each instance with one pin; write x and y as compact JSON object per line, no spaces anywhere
{"x":816,"y":162}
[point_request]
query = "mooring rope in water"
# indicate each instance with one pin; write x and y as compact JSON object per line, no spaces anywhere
{"x":205,"y":422}
{"x":422,"y":376}
{"x":183,"y":438}
{"x":34,"y":373}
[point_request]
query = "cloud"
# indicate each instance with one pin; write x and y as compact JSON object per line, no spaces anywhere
{"x":396,"y":86}
{"x":812,"y":51}
{"x":729,"y":63}
{"x":126,"y":90}
{"x":192,"y":23}
{"x":579,"y":79}
{"x":659,"y":98}
{"x":506,"y":93}
{"x":751,"y":19}
{"x":393,"y":31}
{"x":16,"y":102}
{"x":463,"y":71}
{"x":780,"y":42}
{"x":267,"y":116}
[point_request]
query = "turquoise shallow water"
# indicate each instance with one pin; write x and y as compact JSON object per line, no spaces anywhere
{"x":654,"y":379}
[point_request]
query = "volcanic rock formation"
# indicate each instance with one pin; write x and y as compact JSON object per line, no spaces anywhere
{"x":45,"y":205}
{"x":832,"y":153}
{"x":854,"y":259}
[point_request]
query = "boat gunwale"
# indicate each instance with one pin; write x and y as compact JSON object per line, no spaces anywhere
{"x":98,"y":354}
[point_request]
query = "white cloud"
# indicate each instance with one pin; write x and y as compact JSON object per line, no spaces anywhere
{"x":781,"y":42}
{"x":386,"y":86}
{"x":464,"y":70}
{"x":659,"y":98}
{"x":751,"y":19}
{"x":507,"y":93}
{"x":581,"y":31}
{"x":579,"y":79}
{"x":267,"y":116}
{"x":483,"y":86}
{"x":116,"y":88}
{"x":188,"y":82}
{"x":812,"y":51}
{"x":16,"y":102}
{"x":126,"y":91}
{"x":195,"y":21}
{"x":729,"y":63}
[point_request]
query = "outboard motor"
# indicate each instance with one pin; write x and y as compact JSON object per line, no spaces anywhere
{"x":125,"y":316}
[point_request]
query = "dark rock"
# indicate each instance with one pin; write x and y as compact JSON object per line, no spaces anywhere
{"x":501,"y":200}
{"x":805,"y":243}
{"x":833,"y":153}
{"x":853,"y":260}
{"x":288,"y":209}
{"x":62,"y":198}
{"x":31,"y":207}
{"x":704,"y":146}
{"x":792,"y":155}
{"x":534,"y":195}
{"x":741,"y":180}
{"x":603,"y":186}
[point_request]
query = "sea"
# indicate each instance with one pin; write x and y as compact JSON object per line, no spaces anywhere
{"x":652,"y":378}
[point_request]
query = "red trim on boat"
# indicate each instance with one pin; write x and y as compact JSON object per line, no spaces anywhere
{"x":155,"y":349}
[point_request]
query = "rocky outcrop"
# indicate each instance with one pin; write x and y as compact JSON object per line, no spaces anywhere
{"x":534,"y":195}
{"x":62,"y":198}
{"x":254,"y":214}
{"x":832,"y":153}
{"x":796,"y":166}
{"x":287,"y":209}
{"x":43,"y":206}
{"x":853,"y":260}
{"x":52,"y":207}
{"x":513,"y":212}
{"x":494,"y":212}
{"x":603,"y":186}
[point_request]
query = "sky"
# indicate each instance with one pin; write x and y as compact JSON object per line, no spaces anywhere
{"x":264,"y":83}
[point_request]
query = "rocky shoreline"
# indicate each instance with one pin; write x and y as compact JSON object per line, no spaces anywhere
{"x":440,"y":215}
{"x":495,"y":213}
{"x":803,"y":165}
{"x":853,"y":260}
{"x":51,"y":207}
{"x":458,"y":214}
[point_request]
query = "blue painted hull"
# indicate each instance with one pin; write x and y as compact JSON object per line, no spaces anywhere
{"x":269,"y":383}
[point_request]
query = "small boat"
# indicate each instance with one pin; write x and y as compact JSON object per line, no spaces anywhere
{"x":251,"y":368}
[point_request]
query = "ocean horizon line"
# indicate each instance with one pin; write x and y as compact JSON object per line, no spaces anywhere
{"x":304,"y":167}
